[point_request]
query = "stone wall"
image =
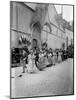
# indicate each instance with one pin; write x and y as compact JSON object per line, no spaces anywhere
{"x":20,"y":21}
{"x":56,"y":37}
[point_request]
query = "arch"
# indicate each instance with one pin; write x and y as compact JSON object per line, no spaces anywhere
{"x":36,"y":34}
{"x":34,"y":42}
{"x":48,"y":25}
{"x":36,"y":25}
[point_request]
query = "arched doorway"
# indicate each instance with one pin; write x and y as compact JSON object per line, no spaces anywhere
{"x":36,"y":34}
{"x":34,"y":43}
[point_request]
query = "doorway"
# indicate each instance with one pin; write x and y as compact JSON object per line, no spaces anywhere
{"x":34,"y":43}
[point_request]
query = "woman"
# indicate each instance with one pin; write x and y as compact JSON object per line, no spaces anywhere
{"x":59,"y":57}
{"x":50,"y":58}
{"x":31,"y":62}
{"x":46,"y":58}
{"x":54,"y":57}
{"x":29,"y":66}
{"x":41,"y":61}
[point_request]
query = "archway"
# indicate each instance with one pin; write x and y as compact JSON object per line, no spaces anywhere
{"x":34,"y":43}
{"x":48,"y":27}
{"x":36,"y":34}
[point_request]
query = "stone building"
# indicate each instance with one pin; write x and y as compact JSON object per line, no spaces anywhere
{"x":69,"y":37}
{"x":38,"y":23}
{"x":54,"y":33}
{"x":20,"y":16}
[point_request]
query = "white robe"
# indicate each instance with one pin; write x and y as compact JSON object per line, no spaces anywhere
{"x":50,"y":58}
{"x":30,"y":64}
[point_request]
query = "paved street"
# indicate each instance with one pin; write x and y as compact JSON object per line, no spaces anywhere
{"x":55,"y":80}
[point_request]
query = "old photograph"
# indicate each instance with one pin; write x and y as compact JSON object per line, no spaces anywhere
{"x":41,"y":49}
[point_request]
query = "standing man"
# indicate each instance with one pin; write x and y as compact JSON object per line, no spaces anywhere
{"x":57,"y":53}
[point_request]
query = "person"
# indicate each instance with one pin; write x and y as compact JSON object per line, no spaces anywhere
{"x":62,"y":55}
{"x":59,"y":57}
{"x":24,"y":60}
{"x":46,"y":58}
{"x":36,"y":56}
{"x":41,"y":61}
{"x":54,"y":57}
{"x":31,"y":62}
{"x":29,"y":66}
{"x":25,"y":54}
{"x":50,"y":58}
{"x":57,"y":53}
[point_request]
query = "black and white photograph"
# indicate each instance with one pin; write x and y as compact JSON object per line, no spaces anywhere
{"x":41,"y":49}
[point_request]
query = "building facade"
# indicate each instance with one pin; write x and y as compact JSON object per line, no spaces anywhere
{"x":38,"y":23}
{"x":20,"y":21}
{"x":54,"y":34}
{"x":69,"y":37}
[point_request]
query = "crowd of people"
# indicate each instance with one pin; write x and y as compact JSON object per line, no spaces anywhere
{"x":34,"y":57}
{"x":40,"y":58}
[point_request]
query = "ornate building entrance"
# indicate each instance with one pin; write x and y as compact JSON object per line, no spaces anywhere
{"x":36,"y":34}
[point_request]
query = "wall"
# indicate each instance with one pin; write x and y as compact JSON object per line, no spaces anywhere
{"x":69,"y":34}
{"x":56,"y":37}
{"x":36,"y":35}
{"x":20,"y":20}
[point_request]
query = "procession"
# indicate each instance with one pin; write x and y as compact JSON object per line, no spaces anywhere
{"x":42,"y":49}
{"x":41,"y":59}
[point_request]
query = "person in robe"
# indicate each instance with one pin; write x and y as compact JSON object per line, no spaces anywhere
{"x":30,"y":64}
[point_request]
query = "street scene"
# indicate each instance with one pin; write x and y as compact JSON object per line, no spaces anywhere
{"x":55,"y":80}
{"x":42,"y":49}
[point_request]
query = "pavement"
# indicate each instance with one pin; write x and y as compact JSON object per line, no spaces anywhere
{"x":54,"y":80}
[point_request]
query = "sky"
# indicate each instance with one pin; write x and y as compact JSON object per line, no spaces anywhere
{"x":67,"y":11}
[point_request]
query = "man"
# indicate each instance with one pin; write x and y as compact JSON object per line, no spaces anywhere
{"x":57,"y":53}
{"x":36,"y":50}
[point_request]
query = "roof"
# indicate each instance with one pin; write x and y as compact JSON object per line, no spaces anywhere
{"x":31,"y":5}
